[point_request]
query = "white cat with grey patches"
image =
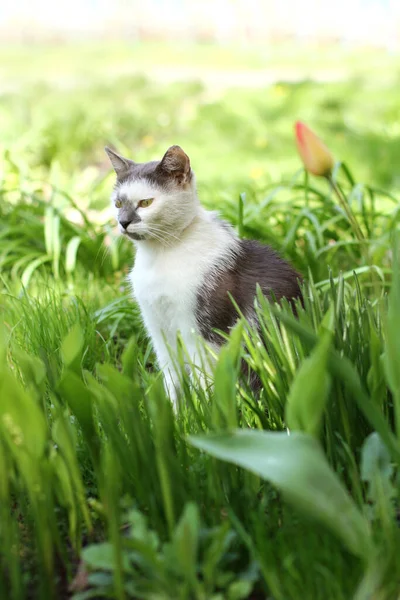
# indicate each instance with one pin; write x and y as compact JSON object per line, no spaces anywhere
{"x":187,"y":260}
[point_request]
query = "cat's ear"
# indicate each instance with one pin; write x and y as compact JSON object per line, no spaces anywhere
{"x":121,"y":165}
{"x":176,"y":163}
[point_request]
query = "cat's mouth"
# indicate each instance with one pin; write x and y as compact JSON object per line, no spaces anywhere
{"x":135,"y":236}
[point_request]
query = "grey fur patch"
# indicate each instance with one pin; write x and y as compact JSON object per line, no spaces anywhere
{"x":253,"y":264}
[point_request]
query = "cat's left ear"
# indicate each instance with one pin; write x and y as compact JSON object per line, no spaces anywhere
{"x":176,"y":163}
{"x":121,"y":165}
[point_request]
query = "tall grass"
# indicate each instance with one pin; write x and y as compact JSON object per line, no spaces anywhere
{"x":91,"y":450}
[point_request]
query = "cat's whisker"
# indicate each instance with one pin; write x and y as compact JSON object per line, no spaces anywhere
{"x":156,"y":237}
{"x":163,"y":232}
{"x":160,"y":235}
{"x":169,"y":234}
{"x":157,"y":232}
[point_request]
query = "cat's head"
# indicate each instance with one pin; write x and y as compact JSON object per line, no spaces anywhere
{"x":155,"y":200}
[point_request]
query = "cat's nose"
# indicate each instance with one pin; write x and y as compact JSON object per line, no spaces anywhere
{"x":124,"y":224}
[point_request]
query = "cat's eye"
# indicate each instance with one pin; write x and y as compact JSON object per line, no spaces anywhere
{"x":145,"y":203}
{"x":118,"y":203}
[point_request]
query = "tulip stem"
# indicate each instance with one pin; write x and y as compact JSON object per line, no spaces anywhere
{"x":345,"y":205}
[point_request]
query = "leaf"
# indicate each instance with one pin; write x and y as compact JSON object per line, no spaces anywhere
{"x":375,"y":458}
{"x":140,"y":530}
{"x":79,"y":398}
{"x":71,"y":253}
{"x":32,"y":369}
{"x":238,"y":590}
{"x":31,"y":268}
{"x":71,"y":349}
{"x":392,"y":354}
{"x":129,"y":358}
{"x":21,"y":420}
{"x":376,"y":465}
{"x":296,"y":465}
{"x":220,"y":541}
{"x":226,"y":374}
{"x":309,"y":391}
{"x":101,"y":557}
{"x":186,"y":540}
{"x":62,"y":434}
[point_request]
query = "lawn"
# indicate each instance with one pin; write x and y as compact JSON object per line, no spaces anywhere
{"x":105,"y":492}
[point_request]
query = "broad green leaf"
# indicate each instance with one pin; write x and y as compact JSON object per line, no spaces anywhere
{"x":64,"y":490}
{"x":26,"y":259}
{"x":101,"y":557}
{"x":140,"y":530}
{"x":129,"y":358}
{"x":111,"y":488}
{"x":21,"y":420}
{"x":32,"y":369}
{"x":214,"y":553}
{"x":119,"y":385}
{"x":80,"y":400}
{"x":31,"y":268}
{"x":239,"y":590}
{"x":375,"y":458}
{"x":296,"y":465}
{"x":71,"y":252}
{"x":309,"y":391}
{"x":376,"y":465}
{"x":186,"y":540}
{"x":226,"y":374}
{"x":71,"y":349}
{"x":63,"y":437}
{"x":392,"y":353}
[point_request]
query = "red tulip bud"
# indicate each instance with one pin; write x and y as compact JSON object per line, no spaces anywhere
{"x":315,"y":155}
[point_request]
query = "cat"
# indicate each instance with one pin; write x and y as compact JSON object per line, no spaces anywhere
{"x":188,"y":260}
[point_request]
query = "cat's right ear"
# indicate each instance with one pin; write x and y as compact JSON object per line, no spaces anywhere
{"x":121,"y":165}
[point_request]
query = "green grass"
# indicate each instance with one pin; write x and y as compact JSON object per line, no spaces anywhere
{"x":97,"y":474}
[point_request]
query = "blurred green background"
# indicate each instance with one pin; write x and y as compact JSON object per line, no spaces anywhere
{"x":232,"y":109}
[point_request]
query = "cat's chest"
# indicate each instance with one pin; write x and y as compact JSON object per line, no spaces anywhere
{"x":166,"y":287}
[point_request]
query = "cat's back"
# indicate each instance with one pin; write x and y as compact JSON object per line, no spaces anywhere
{"x":259,"y":264}
{"x":254,"y":264}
